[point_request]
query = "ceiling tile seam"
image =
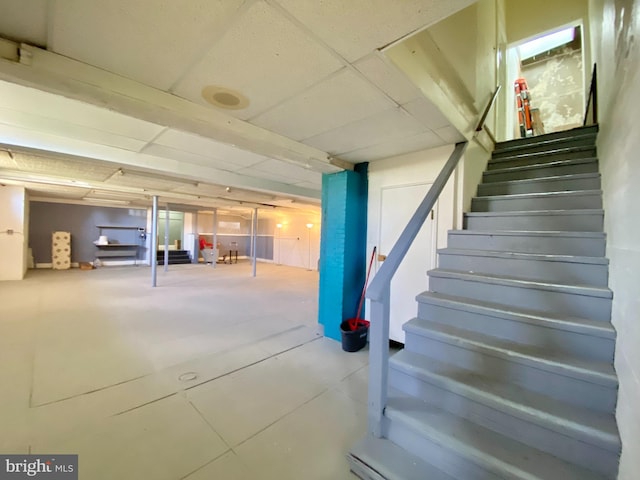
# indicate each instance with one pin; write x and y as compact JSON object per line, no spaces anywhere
{"x":155,"y":137}
{"x":397,"y":107}
{"x":219,"y":34}
{"x":50,"y":6}
{"x":321,"y":42}
{"x":388,"y":142}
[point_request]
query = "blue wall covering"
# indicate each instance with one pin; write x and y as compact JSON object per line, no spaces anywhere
{"x":342,"y":249}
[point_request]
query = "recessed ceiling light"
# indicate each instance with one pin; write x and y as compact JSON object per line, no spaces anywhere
{"x":223,"y":97}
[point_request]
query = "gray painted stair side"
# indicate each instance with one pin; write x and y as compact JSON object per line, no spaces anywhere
{"x":586,"y":383}
{"x":563,"y":167}
{"x":582,"y":181}
{"x":587,"y":220}
{"x":582,"y":199}
{"x":586,"y":339}
{"x":574,"y":434}
{"x":589,"y":244}
{"x":518,"y":159}
{"x":468,"y":451}
{"x":543,"y":145}
{"x":593,"y":303}
{"x":549,"y":268}
{"x":548,"y":139}
{"x":381,"y":459}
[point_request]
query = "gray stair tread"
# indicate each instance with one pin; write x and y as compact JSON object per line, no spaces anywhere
{"x":560,"y":178}
{"x":601,"y":373}
{"x":558,"y":163}
{"x":489,"y":450}
{"x":522,"y":282}
{"x":530,"y":233}
{"x":524,"y":256}
{"x":589,"y":426}
{"x":517,"y":213}
{"x":544,"y":153}
{"x":513,"y":196}
{"x":584,"y":326}
{"x":549,"y":138}
{"x":389,"y":461}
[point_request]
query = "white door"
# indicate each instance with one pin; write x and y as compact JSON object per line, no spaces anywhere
{"x":398,"y":205}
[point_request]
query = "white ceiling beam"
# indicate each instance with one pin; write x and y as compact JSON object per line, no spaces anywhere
{"x":59,"y":75}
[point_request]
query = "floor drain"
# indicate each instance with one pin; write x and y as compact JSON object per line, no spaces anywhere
{"x":187,"y":377}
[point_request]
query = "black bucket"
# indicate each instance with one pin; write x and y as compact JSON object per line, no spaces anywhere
{"x":353,"y":340}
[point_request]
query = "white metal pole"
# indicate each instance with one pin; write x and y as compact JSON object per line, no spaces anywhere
{"x":166,"y":239}
{"x":153,"y":257}
{"x":214,"y":260}
{"x":254,"y":237}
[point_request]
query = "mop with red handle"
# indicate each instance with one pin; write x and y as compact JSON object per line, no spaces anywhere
{"x":354,"y":323}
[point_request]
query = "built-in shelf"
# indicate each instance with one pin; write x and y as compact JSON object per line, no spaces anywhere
{"x":118,"y":249}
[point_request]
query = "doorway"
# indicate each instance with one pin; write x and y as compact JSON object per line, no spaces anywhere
{"x":552,"y":64}
{"x":398,"y":204}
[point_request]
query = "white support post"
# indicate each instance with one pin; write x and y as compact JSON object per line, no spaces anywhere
{"x":153,"y":257}
{"x":166,"y":239}
{"x":378,"y":361}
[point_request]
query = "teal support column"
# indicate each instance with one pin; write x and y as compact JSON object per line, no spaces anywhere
{"x":343,"y":257}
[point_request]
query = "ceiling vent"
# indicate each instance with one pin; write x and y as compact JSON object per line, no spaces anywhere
{"x":226,"y":98}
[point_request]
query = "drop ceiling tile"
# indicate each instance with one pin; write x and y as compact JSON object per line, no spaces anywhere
{"x":23,"y":23}
{"x":397,"y":147}
{"x":379,"y":128}
{"x":287,"y":170}
{"x":312,"y":185}
{"x":449,"y":134}
{"x":207,"y":147}
{"x":151,"y":42}
{"x":386,"y":76}
{"x":341,"y":99}
{"x":62,"y":128}
{"x":17,"y":98}
{"x":263,"y":56}
{"x":132,"y":179}
{"x":358,"y":27}
{"x":427,"y":113}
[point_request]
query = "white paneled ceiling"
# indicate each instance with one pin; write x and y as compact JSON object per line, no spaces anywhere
{"x":339,"y":100}
{"x":153,"y":41}
{"x":312,"y":72}
{"x":253,"y":52}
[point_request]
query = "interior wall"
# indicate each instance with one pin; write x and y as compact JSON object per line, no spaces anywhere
{"x":616,"y":28}
{"x":295,"y":244}
{"x":410,"y":169}
{"x":82,"y":222}
{"x":526,"y":19}
{"x":556,"y":85}
{"x":13,"y":234}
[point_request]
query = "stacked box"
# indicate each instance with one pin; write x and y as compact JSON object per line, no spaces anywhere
{"x":61,"y":250}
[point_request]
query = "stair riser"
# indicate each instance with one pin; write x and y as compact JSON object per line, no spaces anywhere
{"x":588,"y":141}
{"x":532,"y":334}
{"x":551,"y":245}
{"x":434,"y":453}
{"x":549,"y":271}
{"x":561,"y":387}
{"x":564,"y":202}
{"x":565,"y":135}
{"x":544,"y":171}
{"x":591,"y":222}
{"x":539,"y":186}
{"x":578,"y":305}
{"x":538,"y":158}
{"x":530,"y":431}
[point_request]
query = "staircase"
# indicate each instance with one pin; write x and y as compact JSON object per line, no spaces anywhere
{"x":176,"y":257}
{"x":507,"y":371}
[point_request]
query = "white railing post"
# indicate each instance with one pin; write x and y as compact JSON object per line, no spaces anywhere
{"x":378,"y":360}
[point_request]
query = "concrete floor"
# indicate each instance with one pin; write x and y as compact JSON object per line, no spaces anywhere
{"x":212,"y":375}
